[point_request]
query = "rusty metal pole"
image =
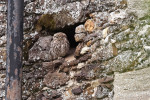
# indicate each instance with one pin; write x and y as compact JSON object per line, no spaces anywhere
{"x":14,"y":49}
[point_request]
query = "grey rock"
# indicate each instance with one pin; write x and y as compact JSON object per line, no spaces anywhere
{"x":88,"y":72}
{"x":78,"y":49}
{"x":132,"y":85}
{"x":102,"y":92}
{"x":104,"y":53}
{"x":66,"y":13}
{"x":147,"y":49}
{"x":2,"y":86}
{"x":55,"y":80}
{"x":40,"y":50}
{"x":140,"y":11}
{"x":77,"y":91}
{"x":79,"y":37}
{"x":80,"y":29}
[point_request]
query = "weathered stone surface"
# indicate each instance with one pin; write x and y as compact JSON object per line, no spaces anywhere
{"x":55,"y":62}
{"x":40,"y":50}
{"x":80,"y":29}
{"x":101,"y":92}
{"x":85,"y":50}
{"x":2,"y":86}
{"x":84,"y":58}
{"x":132,"y":85}
{"x":55,"y":80}
{"x":65,"y":67}
{"x":79,"y":37}
{"x":67,"y":12}
{"x":88,"y":72}
{"x":142,"y":10}
{"x":33,"y":79}
{"x":64,"y":13}
{"x":78,"y":49}
{"x":77,"y":91}
{"x":3,"y":41}
{"x":119,"y":41}
{"x":106,"y":80}
{"x":103,"y":53}
{"x":89,"y":25}
{"x":2,"y":58}
{"x":53,"y":65}
{"x":60,"y":98}
{"x":3,"y":9}
{"x":122,"y":49}
{"x":46,"y":95}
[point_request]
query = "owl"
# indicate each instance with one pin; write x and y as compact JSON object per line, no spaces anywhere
{"x":59,"y":46}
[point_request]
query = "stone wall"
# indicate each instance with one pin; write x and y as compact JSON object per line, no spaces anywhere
{"x":3,"y":9}
{"x":3,"y":25}
{"x":112,"y":36}
{"x":2,"y":45}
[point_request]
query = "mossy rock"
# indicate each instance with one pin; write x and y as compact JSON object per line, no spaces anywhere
{"x":140,"y":7}
{"x":46,"y":21}
{"x":54,"y":21}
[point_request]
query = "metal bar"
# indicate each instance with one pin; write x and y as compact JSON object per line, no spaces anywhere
{"x":14,"y":49}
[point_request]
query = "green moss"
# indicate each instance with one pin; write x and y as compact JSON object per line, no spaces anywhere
{"x":46,"y":21}
{"x":128,"y":68}
{"x":131,"y":66}
{"x":144,"y":20}
{"x":145,"y":17}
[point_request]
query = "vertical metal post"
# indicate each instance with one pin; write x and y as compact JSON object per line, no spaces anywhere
{"x":14,"y":49}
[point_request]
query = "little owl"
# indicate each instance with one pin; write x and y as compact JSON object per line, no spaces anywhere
{"x":59,"y":46}
{"x":49,"y":48}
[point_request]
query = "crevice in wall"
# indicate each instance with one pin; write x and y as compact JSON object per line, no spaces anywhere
{"x":70,"y":32}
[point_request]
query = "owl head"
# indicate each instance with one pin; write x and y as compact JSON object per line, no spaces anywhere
{"x":59,"y":36}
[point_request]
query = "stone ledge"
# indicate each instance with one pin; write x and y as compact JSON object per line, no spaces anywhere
{"x":132,"y":85}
